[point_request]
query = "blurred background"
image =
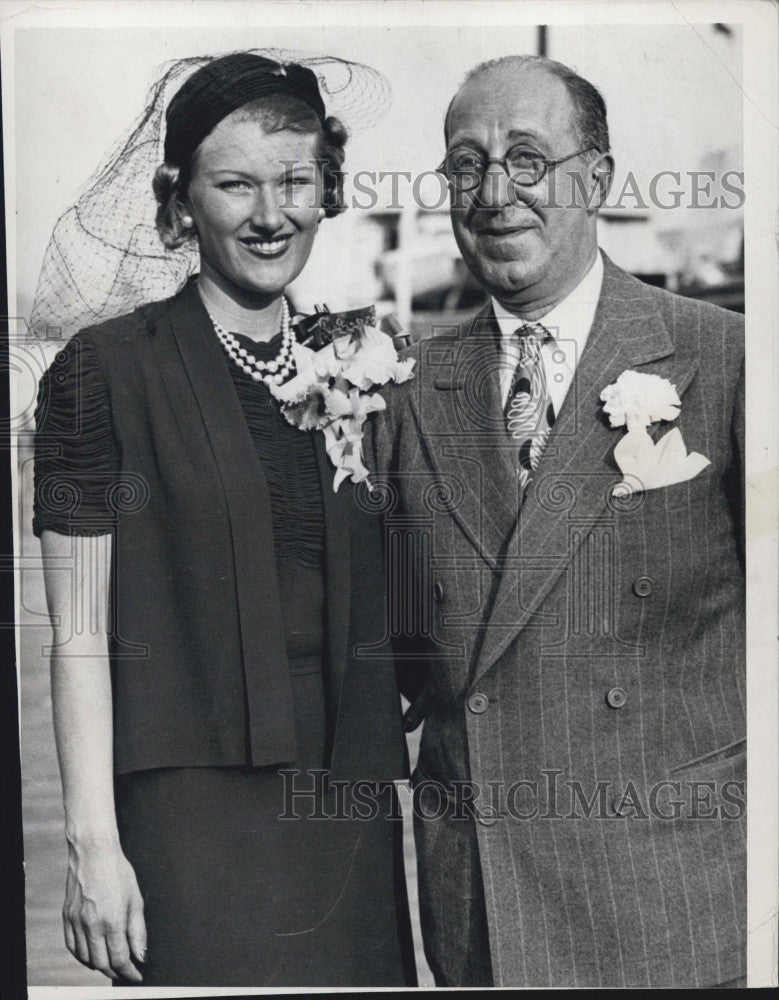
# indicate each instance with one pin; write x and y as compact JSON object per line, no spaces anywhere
{"x":674,"y":100}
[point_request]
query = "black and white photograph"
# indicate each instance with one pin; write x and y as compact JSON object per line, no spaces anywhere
{"x":391,"y":442}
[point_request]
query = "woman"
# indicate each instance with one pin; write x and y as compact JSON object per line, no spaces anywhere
{"x":216,"y":689}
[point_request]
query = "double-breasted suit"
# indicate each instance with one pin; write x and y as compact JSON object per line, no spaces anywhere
{"x":584,"y":659}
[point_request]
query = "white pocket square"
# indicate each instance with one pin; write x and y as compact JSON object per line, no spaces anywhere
{"x":648,"y":465}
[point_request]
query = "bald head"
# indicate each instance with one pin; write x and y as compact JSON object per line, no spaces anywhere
{"x":588,"y":105}
{"x":528,"y":235}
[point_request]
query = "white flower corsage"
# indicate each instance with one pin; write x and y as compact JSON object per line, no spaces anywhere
{"x":335,"y":389}
{"x":637,"y":400}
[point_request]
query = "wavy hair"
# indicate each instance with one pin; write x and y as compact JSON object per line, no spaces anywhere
{"x":274,"y":113}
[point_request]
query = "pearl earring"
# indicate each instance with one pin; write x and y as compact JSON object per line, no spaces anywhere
{"x":321,"y":214}
{"x":186,"y":221}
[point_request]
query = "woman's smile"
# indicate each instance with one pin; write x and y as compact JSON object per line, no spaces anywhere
{"x":265,"y":249}
{"x":255,"y":198}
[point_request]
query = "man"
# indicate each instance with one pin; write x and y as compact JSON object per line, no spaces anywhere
{"x":579,"y":797}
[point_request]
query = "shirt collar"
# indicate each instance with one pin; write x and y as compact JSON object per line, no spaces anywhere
{"x":570,"y":319}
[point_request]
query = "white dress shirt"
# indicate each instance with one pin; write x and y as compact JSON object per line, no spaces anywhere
{"x":569,"y":323}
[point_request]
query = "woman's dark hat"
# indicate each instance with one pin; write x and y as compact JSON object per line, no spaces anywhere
{"x":104,"y":257}
{"x":224,"y":85}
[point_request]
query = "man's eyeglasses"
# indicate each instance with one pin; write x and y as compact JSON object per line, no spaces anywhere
{"x":464,"y":167}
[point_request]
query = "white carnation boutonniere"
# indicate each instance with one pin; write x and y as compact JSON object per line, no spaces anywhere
{"x":336,"y":385}
{"x":635,"y":401}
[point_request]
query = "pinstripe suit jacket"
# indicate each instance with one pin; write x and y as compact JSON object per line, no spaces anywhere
{"x":585,"y":660}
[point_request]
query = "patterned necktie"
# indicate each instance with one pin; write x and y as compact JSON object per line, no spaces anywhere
{"x":529,"y":412}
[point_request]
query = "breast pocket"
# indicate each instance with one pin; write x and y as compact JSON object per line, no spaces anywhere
{"x":666,"y":498}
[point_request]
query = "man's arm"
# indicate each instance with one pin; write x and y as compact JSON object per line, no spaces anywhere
{"x":410,"y":663}
{"x":736,"y":484}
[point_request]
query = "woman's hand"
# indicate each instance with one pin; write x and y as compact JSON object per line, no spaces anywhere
{"x":103,"y":912}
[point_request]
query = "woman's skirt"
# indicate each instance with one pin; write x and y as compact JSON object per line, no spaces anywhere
{"x":246,"y":883}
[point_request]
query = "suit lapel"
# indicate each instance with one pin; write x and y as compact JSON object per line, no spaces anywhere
{"x":462,"y":431}
{"x":268,"y":687}
{"x":577,"y":470}
{"x":337,"y":514}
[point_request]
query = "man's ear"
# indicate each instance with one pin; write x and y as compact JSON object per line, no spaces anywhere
{"x":602,"y":174}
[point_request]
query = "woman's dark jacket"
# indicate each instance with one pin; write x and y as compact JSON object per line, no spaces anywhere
{"x":197,"y":643}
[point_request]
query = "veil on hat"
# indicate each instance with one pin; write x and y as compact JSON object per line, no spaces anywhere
{"x":104,"y":257}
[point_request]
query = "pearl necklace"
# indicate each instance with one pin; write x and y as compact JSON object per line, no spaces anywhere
{"x":274,"y":371}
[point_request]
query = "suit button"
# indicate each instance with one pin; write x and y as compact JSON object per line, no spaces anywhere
{"x":478,"y":703}
{"x":616,"y":698}
{"x":642,"y":587}
{"x":438,"y":591}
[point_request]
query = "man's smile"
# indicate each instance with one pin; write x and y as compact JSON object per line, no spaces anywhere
{"x":497,"y":232}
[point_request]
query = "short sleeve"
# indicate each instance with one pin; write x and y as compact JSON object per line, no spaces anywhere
{"x":76,"y":456}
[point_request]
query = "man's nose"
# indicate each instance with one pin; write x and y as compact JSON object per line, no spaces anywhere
{"x":497,"y":191}
{"x":266,"y":210}
{"x":495,"y":188}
